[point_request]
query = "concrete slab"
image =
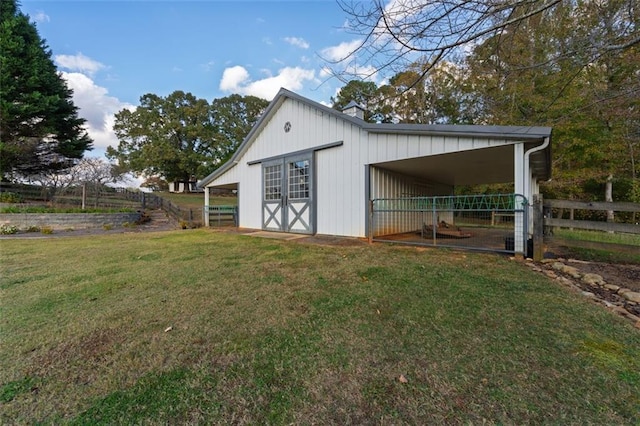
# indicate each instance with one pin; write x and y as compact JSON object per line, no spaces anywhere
{"x":276,"y":235}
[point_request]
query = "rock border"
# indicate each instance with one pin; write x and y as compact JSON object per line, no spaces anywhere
{"x":620,"y":300}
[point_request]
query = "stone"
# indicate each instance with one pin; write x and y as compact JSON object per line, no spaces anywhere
{"x":583,"y":262}
{"x":619,"y":310}
{"x":593,"y":279}
{"x":551,"y":274}
{"x":623,"y":290}
{"x":565,"y":269}
{"x":632,"y":296}
{"x":633,"y":318}
{"x":587,"y":294}
{"x":612,"y":287}
{"x":638,"y":324}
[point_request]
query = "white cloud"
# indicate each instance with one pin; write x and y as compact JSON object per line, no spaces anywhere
{"x":297,"y":41}
{"x":233,"y":77}
{"x":40,"y":17}
{"x":340,"y":52}
{"x":97,"y":107}
{"x":237,"y":80}
{"x":79,"y":63}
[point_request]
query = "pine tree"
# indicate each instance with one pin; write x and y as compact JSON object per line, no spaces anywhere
{"x":39,"y":125}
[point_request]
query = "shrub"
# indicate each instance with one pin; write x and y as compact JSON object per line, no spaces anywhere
{"x":33,"y":228}
{"x":144,"y":218}
{"x":107,"y":227}
{"x":46,"y":230}
{"x":8,"y":229}
{"x":10,"y":197}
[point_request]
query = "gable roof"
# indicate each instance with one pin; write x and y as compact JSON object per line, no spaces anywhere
{"x":520,"y":133}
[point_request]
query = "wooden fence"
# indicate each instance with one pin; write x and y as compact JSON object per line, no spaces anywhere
{"x":107,"y":198}
{"x":551,"y":206}
{"x":543,"y":212}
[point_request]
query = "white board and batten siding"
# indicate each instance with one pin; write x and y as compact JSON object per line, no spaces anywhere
{"x":335,"y":174}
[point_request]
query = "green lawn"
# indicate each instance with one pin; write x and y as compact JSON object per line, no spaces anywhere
{"x":598,"y":236}
{"x":196,"y":200}
{"x":599,"y":246}
{"x":209,"y":327}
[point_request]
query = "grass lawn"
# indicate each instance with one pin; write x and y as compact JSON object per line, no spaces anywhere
{"x":598,"y":236}
{"x":208,"y":327}
{"x":196,"y":200}
{"x":599,"y":246}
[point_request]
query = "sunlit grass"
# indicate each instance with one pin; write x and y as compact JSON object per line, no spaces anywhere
{"x":196,"y":200}
{"x":217,"y":328}
{"x":598,"y":236}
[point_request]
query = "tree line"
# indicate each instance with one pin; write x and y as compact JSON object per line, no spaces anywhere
{"x":572,"y":65}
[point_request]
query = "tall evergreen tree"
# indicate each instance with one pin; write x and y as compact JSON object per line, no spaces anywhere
{"x":39,"y":125}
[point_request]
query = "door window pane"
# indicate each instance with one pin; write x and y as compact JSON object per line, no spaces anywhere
{"x":272,"y":182}
{"x":299,"y":179}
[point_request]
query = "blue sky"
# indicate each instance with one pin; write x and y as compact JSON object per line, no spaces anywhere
{"x":113,"y":52}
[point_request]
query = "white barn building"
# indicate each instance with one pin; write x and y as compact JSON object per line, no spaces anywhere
{"x":307,"y":168}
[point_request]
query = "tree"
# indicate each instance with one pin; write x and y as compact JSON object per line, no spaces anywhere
{"x":180,"y":138}
{"x":364,"y":93}
{"x":535,"y":74}
{"x":437,"y":98}
{"x":395,"y":34}
{"x":172,"y":137}
{"x":234,"y":116}
{"x":155,"y":183}
{"x":40,"y":130}
{"x":96,"y":173}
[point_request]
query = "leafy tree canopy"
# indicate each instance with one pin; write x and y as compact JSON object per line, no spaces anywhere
{"x":40,"y":129}
{"x":234,"y":116}
{"x":571,"y":65}
{"x":181,"y":137}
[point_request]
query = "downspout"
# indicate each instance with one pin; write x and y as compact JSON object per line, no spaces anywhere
{"x":527,"y":178}
{"x":527,"y":168}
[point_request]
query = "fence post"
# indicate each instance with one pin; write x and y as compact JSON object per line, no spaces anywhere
{"x":144,"y":201}
{"x":371,"y":221}
{"x":538,"y":228}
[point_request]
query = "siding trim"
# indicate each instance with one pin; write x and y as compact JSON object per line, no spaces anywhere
{"x":296,"y":153}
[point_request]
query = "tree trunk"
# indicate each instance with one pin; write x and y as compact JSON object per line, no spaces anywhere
{"x":186,"y":184}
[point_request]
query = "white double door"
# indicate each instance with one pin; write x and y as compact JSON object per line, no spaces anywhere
{"x":287,"y":202}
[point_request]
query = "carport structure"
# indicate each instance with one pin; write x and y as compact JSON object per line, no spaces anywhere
{"x":307,"y":168}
